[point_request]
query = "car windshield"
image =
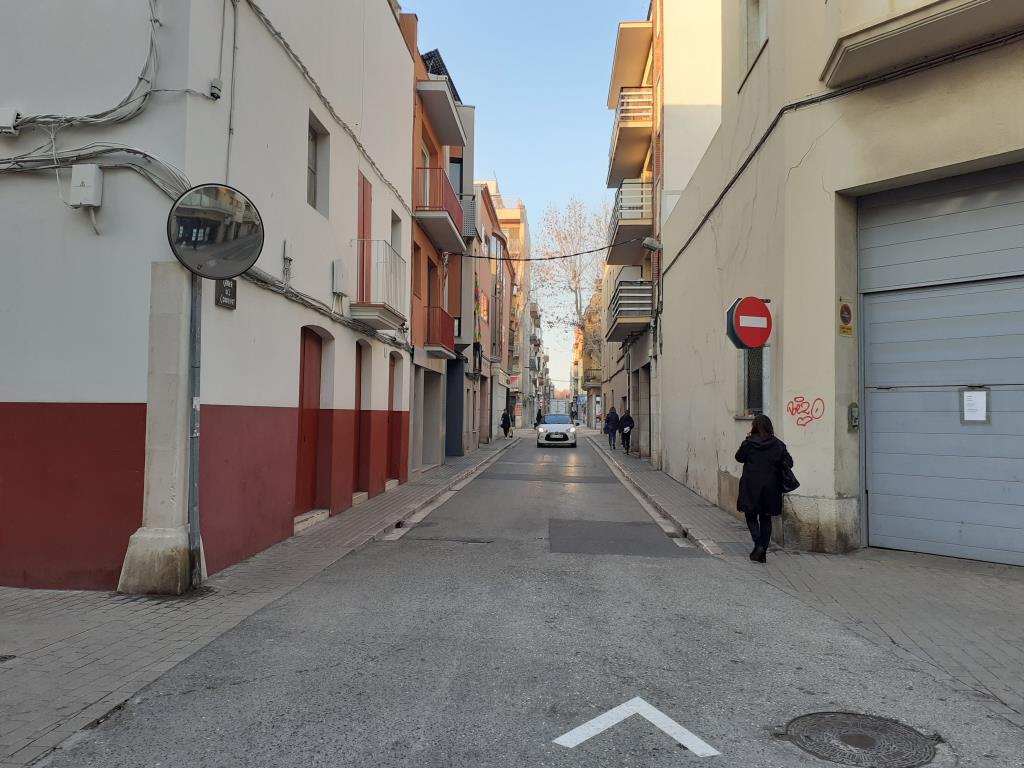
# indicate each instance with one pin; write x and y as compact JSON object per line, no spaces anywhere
{"x":556,"y":418}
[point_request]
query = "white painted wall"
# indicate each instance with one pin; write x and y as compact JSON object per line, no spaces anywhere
{"x":74,"y":306}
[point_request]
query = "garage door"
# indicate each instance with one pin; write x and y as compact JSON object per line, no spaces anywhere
{"x":942,"y":269}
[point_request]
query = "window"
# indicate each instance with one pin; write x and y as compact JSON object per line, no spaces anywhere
{"x":317,"y":165}
{"x":455,"y":174}
{"x":754,"y":381}
{"x":396,"y":233}
{"x":756,"y":30}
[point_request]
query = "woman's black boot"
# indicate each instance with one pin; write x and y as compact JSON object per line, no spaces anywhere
{"x":753,"y":552}
{"x":762,"y":555}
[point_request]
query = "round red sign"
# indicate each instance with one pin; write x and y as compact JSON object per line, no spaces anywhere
{"x":752,"y":322}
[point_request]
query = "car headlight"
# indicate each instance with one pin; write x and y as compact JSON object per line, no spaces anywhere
{"x":572,"y":429}
{"x":540,"y":430}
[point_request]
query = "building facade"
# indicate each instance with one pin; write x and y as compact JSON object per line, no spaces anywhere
{"x":852,"y":184}
{"x":438,"y":139}
{"x":305,"y":380}
{"x":667,"y":108}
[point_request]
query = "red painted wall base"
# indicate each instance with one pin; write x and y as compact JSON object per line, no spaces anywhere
{"x":71,"y":477}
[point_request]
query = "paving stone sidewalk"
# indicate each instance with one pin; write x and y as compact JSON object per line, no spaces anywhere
{"x":961,"y":619}
{"x":67,"y":658}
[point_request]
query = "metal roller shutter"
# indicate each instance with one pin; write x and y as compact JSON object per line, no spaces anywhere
{"x":943,"y":311}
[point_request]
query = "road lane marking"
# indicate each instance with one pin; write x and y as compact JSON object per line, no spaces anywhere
{"x":637,"y":706}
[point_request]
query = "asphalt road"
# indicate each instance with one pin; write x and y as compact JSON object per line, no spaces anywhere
{"x":538,"y":597}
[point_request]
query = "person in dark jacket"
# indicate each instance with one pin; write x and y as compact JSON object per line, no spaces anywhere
{"x":762,"y":455}
{"x":539,"y":419}
{"x":611,"y":426}
{"x":626,"y":427}
{"x":506,"y":423}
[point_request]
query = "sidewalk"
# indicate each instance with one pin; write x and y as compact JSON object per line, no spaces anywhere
{"x":963,"y":620}
{"x":68,"y":658}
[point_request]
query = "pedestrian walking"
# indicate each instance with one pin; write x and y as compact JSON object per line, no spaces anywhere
{"x":539,"y":419}
{"x":506,"y":423}
{"x":611,"y":426}
{"x":626,"y":427}
{"x":763,"y":457}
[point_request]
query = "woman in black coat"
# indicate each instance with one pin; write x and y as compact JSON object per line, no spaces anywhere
{"x":762,"y":455}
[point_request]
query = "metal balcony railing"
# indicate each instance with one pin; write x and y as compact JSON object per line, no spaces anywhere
{"x":382,"y":276}
{"x":634,"y":200}
{"x":440,"y":329}
{"x":534,"y":366}
{"x":535,"y":339}
{"x":433,"y":191}
{"x":636,"y":105}
{"x":632,"y":298}
{"x":593,"y":374}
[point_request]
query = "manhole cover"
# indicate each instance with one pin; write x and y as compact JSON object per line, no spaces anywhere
{"x":864,"y":740}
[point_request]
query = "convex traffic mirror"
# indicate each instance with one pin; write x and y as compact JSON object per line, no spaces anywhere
{"x":215,"y":231}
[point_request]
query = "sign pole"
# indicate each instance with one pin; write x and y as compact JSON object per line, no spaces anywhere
{"x":194,"y":356}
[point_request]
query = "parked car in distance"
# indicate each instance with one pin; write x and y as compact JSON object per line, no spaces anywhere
{"x":556,"y":429}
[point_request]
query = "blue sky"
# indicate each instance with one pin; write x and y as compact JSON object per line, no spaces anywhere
{"x":538,"y":74}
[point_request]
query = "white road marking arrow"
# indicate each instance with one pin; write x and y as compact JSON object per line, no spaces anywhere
{"x":637,"y":706}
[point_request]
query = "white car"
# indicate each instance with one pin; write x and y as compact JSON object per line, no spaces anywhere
{"x":556,"y":429}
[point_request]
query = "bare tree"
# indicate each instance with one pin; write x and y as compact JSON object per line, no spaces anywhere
{"x":565,"y":279}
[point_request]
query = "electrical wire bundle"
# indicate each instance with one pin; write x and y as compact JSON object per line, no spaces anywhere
{"x":169,"y":179}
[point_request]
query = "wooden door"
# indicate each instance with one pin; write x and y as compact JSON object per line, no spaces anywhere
{"x":394,"y":424}
{"x":310,"y":356}
{"x":359,"y":456}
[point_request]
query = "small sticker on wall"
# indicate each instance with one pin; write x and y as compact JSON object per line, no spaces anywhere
{"x":845,"y":317}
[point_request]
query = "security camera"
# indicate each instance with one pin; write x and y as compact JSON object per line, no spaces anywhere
{"x":652,"y":244}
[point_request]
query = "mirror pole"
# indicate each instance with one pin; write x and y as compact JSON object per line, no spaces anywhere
{"x":194,"y":352}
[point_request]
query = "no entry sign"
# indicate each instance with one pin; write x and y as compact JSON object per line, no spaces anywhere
{"x":748,"y":323}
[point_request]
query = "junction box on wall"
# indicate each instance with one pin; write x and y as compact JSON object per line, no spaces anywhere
{"x":9,"y":117}
{"x":86,"y":186}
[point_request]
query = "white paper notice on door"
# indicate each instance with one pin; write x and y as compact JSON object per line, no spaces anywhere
{"x":975,"y":405}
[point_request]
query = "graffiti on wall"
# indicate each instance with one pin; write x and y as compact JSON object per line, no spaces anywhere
{"x":805,"y":411}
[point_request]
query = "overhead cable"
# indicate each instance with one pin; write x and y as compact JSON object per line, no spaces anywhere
{"x":550,"y":258}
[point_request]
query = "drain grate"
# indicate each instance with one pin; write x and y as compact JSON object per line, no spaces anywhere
{"x":862,"y":740}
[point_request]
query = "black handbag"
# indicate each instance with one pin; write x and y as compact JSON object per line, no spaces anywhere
{"x":789,"y":481}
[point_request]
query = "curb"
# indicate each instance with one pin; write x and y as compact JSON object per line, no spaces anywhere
{"x":688,"y":531}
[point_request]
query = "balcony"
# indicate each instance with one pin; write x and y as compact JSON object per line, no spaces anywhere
{"x":632,"y":217}
{"x":867,"y":45}
{"x":438,"y":210}
{"x":630,"y":310}
{"x":440,"y":334}
{"x":534,"y":366}
{"x":382,"y":296}
{"x":592,"y":378}
{"x":535,"y":339}
{"x":443,"y":114}
{"x":631,"y":134}
{"x":534,"y":310}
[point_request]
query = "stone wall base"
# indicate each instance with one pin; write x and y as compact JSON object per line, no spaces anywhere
{"x":811,"y":524}
{"x":156,"y":562}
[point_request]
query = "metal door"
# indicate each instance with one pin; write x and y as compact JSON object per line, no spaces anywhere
{"x":942,"y":312}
